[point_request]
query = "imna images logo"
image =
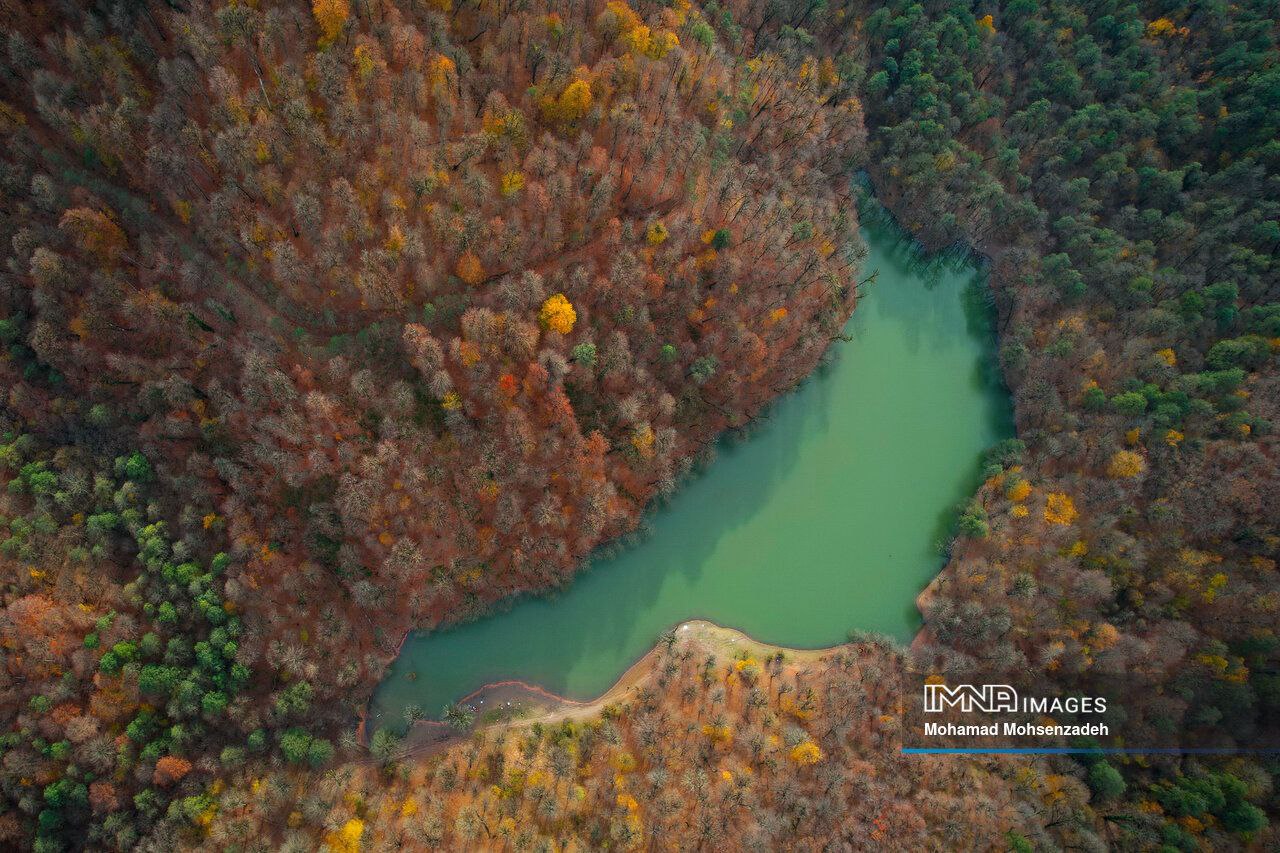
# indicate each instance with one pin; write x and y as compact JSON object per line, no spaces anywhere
{"x":985,"y":698}
{"x":997,"y":698}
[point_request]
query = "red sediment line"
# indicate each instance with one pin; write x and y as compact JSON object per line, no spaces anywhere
{"x":363,"y":718}
{"x":532,"y":688}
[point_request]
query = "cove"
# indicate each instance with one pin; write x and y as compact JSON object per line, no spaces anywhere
{"x":826,"y":519}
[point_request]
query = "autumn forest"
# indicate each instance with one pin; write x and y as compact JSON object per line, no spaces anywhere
{"x":326,"y":322}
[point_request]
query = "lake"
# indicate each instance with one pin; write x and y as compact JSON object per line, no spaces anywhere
{"x":826,"y":519}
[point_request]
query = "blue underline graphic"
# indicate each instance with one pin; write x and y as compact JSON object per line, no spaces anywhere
{"x":1105,"y":750}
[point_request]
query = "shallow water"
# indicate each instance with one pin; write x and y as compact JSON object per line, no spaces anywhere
{"x":826,"y":519}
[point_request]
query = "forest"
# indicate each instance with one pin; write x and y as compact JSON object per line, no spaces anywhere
{"x":327,"y":321}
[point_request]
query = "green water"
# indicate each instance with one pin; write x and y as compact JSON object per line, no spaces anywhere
{"x":826,"y":519}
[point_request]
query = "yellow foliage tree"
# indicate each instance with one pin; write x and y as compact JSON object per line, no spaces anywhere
{"x":622,"y":20}
{"x":1217,"y":582}
{"x":806,"y":753}
{"x":644,"y":41}
{"x":749,"y":667}
{"x":637,"y":39}
{"x":827,"y":73}
{"x":512,"y":183}
{"x":347,"y":839}
{"x":1103,"y":636}
{"x":1019,"y":491}
{"x":656,"y":234}
{"x":1126,"y":463}
{"x":442,"y":68}
{"x":557,"y":314}
{"x":364,"y":62}
{"x":625,"y":17}
{"x":718,"y":734}
{"x":575,"y":100}
{"x":395,"y":240}
{"x":331,"y":16}
{"x":662,"y":44}
{"x":1059,"y":508}
{"x":642,"y":440}
{"x":469,"y":268}
{"x":573,"y":103}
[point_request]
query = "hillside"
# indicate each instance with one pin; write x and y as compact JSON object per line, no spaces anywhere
{"x":328,"y":322}
{"x":324,"y":322}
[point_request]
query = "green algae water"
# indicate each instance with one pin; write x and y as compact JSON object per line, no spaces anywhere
{"x":826,"y":519}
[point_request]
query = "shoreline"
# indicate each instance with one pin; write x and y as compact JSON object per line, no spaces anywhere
{"x":697,"y":623}
{"x":508,"y":602}
{"x":532,"y":704}
{"x":695,"y":620}
{"x":984,"y":261}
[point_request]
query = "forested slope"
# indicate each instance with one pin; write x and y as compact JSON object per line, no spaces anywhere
{"x":324,"y":321}
{"x":1118,"y":163}
{"x":328,"y":321}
